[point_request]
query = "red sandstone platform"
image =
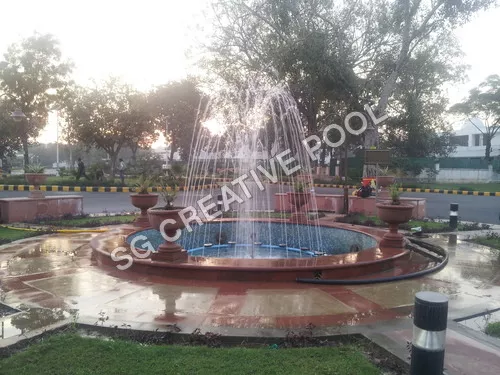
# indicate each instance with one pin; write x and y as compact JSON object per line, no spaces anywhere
{"x":335,"y":203}
{"x":59,"y":273}
{"x":351,"y":265}
{"x":28,"y":209}
{"x":55,"y":276}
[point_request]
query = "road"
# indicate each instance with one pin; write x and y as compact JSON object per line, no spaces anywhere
{"x":471,"y":208}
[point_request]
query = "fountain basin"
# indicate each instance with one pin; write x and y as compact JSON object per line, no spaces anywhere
{"x":272,"y":234}
{"x":348,"y":265}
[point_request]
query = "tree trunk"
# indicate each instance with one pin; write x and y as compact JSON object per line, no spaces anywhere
{"x":172,"y":152}
{"x":321,"y":162}
{"x":113,"y":157}
{"x":332,"y":164}
{"x":26,"y":152}
{"x":487,"y":153}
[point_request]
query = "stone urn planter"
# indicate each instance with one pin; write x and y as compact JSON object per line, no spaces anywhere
{"x":143,"y":202}
{"x":394,"y":215}
{"x":36,"y":179}
{"x":383,"y":182}
{"x":169,"y":251}
{"x":298,"y":200}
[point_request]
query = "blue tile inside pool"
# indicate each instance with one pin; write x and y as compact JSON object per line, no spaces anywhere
{"x":315,"y":238}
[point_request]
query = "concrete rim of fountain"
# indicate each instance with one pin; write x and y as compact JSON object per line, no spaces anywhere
{"x":350,"y":265}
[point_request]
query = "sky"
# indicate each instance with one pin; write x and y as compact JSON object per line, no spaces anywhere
{"x":145,"y":42}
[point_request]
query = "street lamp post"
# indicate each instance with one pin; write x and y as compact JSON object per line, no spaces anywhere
{"x":135,"y":142}
{"x":57,"y":142}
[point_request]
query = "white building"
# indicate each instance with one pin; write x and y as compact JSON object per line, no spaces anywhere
{"x":470,"y":142}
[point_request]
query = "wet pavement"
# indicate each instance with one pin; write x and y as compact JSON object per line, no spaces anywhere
{"x":54,"y":278}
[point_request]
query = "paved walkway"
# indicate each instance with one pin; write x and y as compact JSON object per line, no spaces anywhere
{"x":54,"y":277}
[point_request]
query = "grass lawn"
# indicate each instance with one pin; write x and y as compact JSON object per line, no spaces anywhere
{"x":86,"y":222}
{"x":9,"y":235}
{"x":491,"y":240}
{"x":71,"y":354}
{"x":428,"y":226}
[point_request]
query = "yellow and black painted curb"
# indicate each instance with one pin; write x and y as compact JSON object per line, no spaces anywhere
{"x":455,"y":192}
{"x":128,"y":189}
{"x":93,"y":189}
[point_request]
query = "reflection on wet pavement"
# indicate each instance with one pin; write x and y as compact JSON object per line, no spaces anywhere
{"x":308,"y":302}
{"x":53,"y":277}
{"x":32,"y":318}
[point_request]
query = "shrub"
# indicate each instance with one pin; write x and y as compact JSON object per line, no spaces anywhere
{"x":13,"y":180}
{"x":148,"y":163}
{"x":493,"y":329}
{"x":96,"y":171}
{"x":63,"y":172}
{"x":34,"y":168}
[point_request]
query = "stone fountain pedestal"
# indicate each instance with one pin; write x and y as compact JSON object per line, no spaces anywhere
{"x":170,"y":252}
{"x":168,"y":220}
{"x":298,"y":201}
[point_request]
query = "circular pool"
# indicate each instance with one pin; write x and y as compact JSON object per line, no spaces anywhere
{"x":254,"y":250}
{"x":260,"y":240}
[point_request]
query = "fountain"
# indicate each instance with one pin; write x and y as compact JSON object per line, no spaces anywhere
{"x":256,"y":146}
{"x":252,"y":142}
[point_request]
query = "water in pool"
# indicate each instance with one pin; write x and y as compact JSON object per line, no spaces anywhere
{"x":274,"y":240}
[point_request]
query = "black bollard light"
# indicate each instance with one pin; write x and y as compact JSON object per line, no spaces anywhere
{"x":429,"y":333}
{"x":453,"y":215}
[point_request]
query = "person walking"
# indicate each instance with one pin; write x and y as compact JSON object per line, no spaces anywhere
{"x":80,"y":170}
{"x":121,"y":168}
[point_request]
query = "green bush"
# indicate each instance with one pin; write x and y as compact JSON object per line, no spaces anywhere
{"x":64,"y":172}
{"x":95,"y":171}
{"x":493,"y":329}
{"x":13,"y":180}
{"x":34,"y":168}
{"x":148,"y":164}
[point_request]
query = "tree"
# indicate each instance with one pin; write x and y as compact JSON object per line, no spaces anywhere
{"x":416,"y":127}
{"x":177,"y":106}
{"x":298,"y":42}
{"x":10,"y":137}
{"x":483,"y":103}
{"x":302,"y":43}
{"x":409,"y":25}
{"x":31,"y":76}
{"x":333,"y":56}
{"x":106,"y":117}
{"x":141,"y":123}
